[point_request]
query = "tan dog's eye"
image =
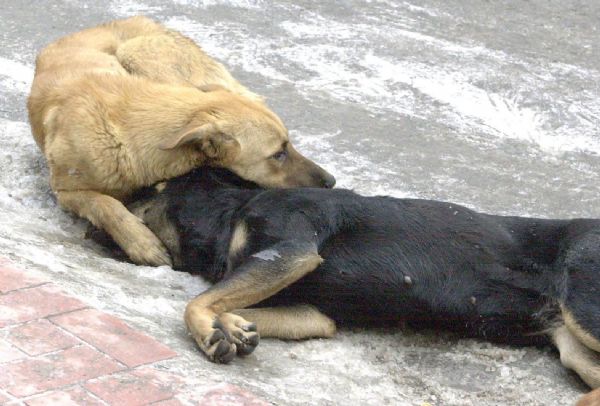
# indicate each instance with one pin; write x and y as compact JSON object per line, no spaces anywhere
{"x":280,"y":156}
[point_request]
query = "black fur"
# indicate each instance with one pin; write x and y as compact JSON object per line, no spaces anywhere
{"x":387,"y":260}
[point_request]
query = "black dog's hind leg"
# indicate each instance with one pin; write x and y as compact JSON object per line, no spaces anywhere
{"x":580,"y":301}
{"x":260,"y":276}
{"x":290,"y":322}
{"x":576,"y":356}
{"x":578,"y":339}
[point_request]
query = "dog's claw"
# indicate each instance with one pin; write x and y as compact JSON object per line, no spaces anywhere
{"x":216,"y":336}
{"x":249,"y":327}
{"x":219,"y":349}
{"x":248,"y":343}
{"x":239,"y":332}
{"x":224,"y":352}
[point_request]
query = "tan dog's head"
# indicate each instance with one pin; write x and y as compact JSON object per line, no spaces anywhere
{"x":250,"y":140}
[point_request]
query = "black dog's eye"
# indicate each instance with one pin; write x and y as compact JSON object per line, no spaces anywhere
{"x":280,"y":156}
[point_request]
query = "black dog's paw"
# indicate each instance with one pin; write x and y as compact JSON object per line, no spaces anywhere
{"x":242,"y":333}
{"x":248,"y":339}
{"x":218,"y":346}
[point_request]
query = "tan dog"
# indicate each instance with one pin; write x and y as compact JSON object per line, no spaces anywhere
{"x":107,"y":131}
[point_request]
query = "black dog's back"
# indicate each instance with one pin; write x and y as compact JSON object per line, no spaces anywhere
{"x":386,"y":260}
{"x":434,"y":264}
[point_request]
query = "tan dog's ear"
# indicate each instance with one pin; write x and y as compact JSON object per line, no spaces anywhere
{"x":220,"y":147}
{"x":210,"y":140}
{"x":190,"y":134}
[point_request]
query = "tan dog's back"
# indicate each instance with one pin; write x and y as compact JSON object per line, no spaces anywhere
{"x":170,"y":57}
{"x":136,"y":45}
{"x":67,"y":59}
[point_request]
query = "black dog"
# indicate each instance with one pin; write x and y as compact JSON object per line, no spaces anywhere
{"x":306,"y":259}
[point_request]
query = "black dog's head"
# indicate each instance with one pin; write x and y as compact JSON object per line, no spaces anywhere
{"x":208,"y":188}
{"x":210,"y":178}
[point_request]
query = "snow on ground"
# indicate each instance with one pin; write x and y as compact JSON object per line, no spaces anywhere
{"x":495,"y":106}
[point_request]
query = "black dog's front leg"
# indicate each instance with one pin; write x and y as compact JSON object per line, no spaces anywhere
{"x":221,"y":334}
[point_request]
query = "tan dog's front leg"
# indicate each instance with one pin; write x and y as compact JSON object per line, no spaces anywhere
{"x":109,"y":214}
{"x":220,"y":334}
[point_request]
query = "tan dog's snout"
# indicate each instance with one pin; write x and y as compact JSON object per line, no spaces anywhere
{"x":314,"y":176}
{"x":287,"y":169}
{"x":327,"y":179}
{"x":303,"y":172}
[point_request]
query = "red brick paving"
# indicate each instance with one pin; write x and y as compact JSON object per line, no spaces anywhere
{"x":54,"y":350}
{"x":9,"y":352}
{"x":18,"y":306}
{"x":3,"y":399}
{"x":114,"y":337}
{"x":32,"y":376}
{"x":40,"y":337}
{"x":133,"y":388}
{"x":170,"y":402}
{"x":12,"y":279}
{"x":230,"y":395}
{"x":71,"y":397}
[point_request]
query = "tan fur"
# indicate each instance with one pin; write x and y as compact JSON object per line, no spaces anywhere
{"x":576,"y":356}
{"x":107,"y":132}
{"x":290,"y":323}
{"x":293,"y":323}
{"x":159,"y":187}
{"x":243,"y":291}
{"x":238,"y":239}
{"x":181,"y":62}
{"x":590,"y":399}
{"x":153,"y":214}
{"x":586,"y":338}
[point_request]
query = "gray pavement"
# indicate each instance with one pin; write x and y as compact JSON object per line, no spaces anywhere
{"x":495,"y":105}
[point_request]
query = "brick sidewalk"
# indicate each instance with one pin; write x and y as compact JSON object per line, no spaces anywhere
{"x":55,"y":350}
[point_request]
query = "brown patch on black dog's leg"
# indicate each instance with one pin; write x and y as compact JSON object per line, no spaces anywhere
{"x":239,"y":238}
{"x":290,"y":323}
{"x":576,"y":356}
{"x":259,"y":277}
{"x":209,"y":334}
{"x":576,"y":329}
{"x":591,"y":399}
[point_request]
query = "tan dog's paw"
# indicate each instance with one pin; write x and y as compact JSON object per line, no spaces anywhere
{"x":241,"y":332}
{"x":147,"y":249}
